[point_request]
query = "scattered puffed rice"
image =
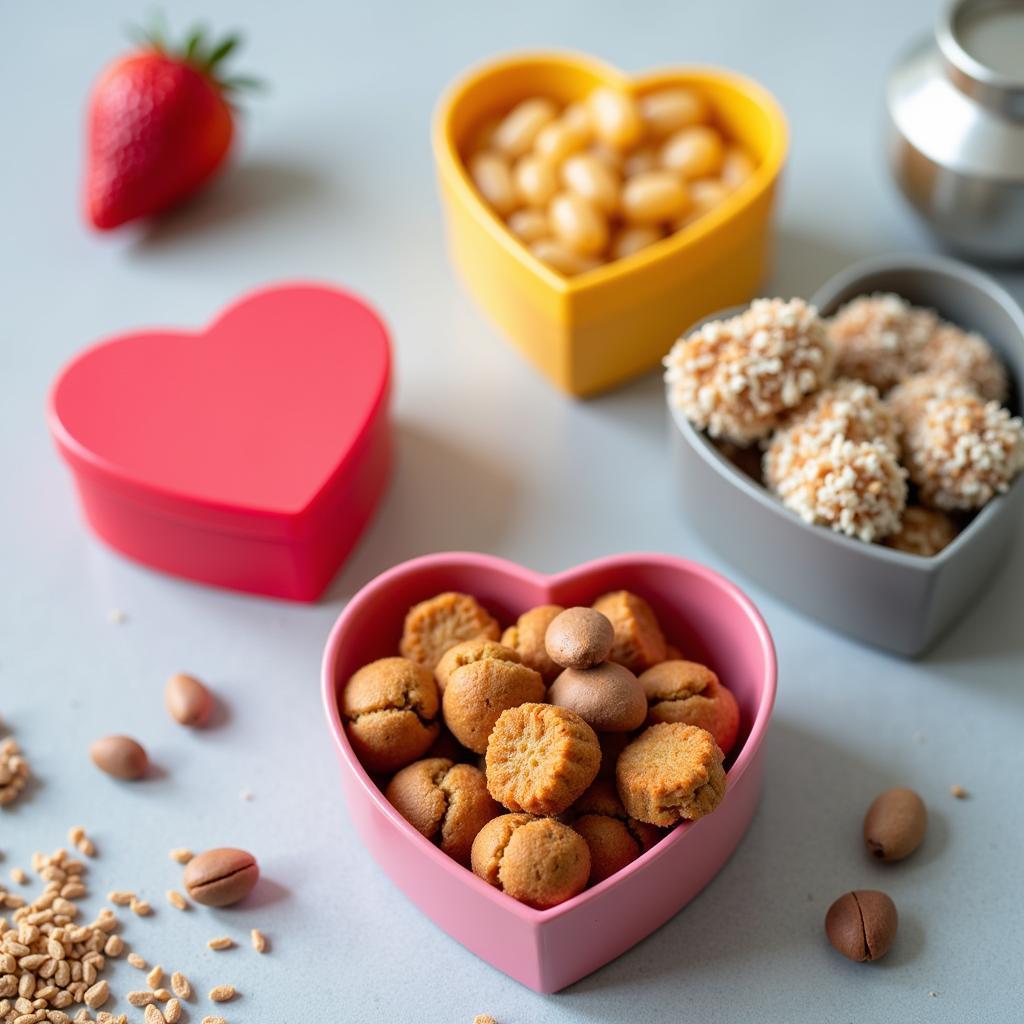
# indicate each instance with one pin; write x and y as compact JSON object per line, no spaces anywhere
{"x":137,"y":961}
{"x":162,"y":995}
{"x":14,"y":771}
{"x":223,"y":942}
{"x":172,"y":1011}
{"x":180,"y":984}
{"x":140,"y":907}
{"x":120,"y":898}
{"x":18,"y":876}
{"x":214,"y":1020}
{"x":484,"y":1018}
{"x":176,"y":899}
{"x":223,"y":993}
{"x":958,"y":791}
{"x":259,"y":940}
{"x":153,"y":1015}
{"x":116,"y":616}
{"x":140,"y":997}
{"x":181,"y":855}
{"x":155,"y":976}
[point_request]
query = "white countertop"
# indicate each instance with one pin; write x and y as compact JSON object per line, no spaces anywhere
{"x":335,"y":182}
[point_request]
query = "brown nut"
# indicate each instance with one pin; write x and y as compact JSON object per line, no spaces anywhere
{"x":607,"y":697}
{"x":120,"y":756}
{"x":895,"y":824}
{"x":187,"y":700}
{"x":579,"y":638}
{"x":862,"y":925}
{"x":220,"y":877}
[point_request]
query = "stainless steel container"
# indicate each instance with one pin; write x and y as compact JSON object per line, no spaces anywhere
{"x":956,"y":127}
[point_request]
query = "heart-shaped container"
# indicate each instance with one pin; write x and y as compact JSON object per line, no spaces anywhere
{"x":897,"y":601}
{"x":250,"y":455}
{"x":708,"y":617}
{"x":598,"y":329}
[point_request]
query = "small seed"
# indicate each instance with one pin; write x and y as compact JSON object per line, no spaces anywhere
{"x":181,"y":986}
{"x":181,"y":855}
{"x":140,"y":907}
{"x":224,"y":942}
{"x":136,"y":961}
{"x":188,"y":701}
{"x":176,"y":899}
{"x":120,"y":756}
{"x":259,"y":941}
{"x":155,"y":976}
{"x":222,"y":993}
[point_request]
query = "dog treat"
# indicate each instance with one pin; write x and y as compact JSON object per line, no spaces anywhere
{"x":877,"y":339}
{"x":738,"y":378}
{"x":579,"y":638}
{"x":540,"y":758}
{"x":466,"y":653}
{"x":639,"y":642}
{"x":538,"y":861}
{"x":435,"y":625}
{"x":960,"y":450}
{"x":575,"y":184}
{"x":862,"y":925}
{"x":479,"y":692}
{"x":967,"y":356}
{"x":895,"y":824}
{"x":849,"y":409}
{"x":687,"y":692}
{"x":448,"y":803}
{"x":188,"y":700}
{"x":607,"y":697}
{"x":670,"y":773}
{"x":527,"y":639}
{"x":923,"y":531}
{"x":220,"y":877}
{"x":856,"y":489}
{"x":614,"y":838}
{"x":390,"y":708}
{"x":120,"y":756}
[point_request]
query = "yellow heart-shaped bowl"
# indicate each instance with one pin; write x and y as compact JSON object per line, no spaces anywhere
{"x":593,"y":331}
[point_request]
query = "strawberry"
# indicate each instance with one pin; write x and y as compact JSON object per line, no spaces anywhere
{"x":159,"y":125}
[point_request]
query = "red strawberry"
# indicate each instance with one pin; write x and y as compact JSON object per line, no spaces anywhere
{"x":159,"y":125}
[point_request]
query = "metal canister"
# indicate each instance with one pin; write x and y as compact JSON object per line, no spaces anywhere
{"x":956,"y":128}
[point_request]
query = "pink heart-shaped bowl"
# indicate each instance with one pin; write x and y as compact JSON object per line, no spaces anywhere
{"x":703,"y":614}
{"x":250,"y":454}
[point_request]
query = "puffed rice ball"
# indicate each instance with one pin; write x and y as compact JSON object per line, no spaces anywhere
{"x":966,"y":355}
{"x":858,"y":489}
{"x":738,"y":378}
{"x":877,"y":338}
{"x":961,"y":451}
{"x":851,"y":409}
{"x":923,"y":531}
{"x":908,"y":399}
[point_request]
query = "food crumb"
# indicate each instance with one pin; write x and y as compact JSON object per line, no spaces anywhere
{"x":958,"y":791}
{"x":484,"y":1018}
{"x":246,"y":794}
{"x":932,"y":995}
{"x":223,"y":942}
{"x":259,"y":940}
{"x":180,"y":855}
{"x":116,"y":616}
{"x":18,"y":876}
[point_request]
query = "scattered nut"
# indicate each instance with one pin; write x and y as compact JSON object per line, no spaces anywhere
{"x":895,"y":824}
{"x":220,"y":877}
{"x":120,"y":756}
{"x":862,"y":925}
{"x":188,"y":701}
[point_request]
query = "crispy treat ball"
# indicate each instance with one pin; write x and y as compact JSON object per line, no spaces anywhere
{"x":846,"y":408}
{"x":960,"y":450}
{"x":684,"y":691}
{"x":579,"y":638}
{"x":538,"y":861}
{"x":877,"y":338}
{"x":526,"y":638}
{"x":390,"y":709}
{"x":856,"y":489}
{"x":607,"y":697}
{"x":966,"y":355}
{"x":479,"y":692}
{"x":448,"y":803}
{"x":639,"y":641}
{"x":466,"y":653}
{"x":435,"y":625}
{"x":615,"y":839}
{"x":541,"y":758}
{"x":923,"y":531}
{"x":670,"y":773}
{"x":738,"y":378}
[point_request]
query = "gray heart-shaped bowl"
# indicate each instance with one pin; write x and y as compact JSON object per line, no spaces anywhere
{"x":893,"y":600}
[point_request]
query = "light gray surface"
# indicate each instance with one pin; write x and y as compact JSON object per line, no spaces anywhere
{"x":335,"y":181}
